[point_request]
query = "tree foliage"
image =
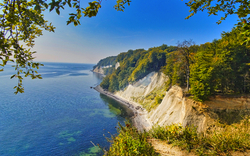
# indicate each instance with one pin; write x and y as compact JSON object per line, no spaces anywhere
{"x":241,"y":8}
{"x":23,"y":20}
{"x":202,"y":75}
{"x":219,"y":67}
{"x":135,"y":64}
{"x":186,"y":49}
{"x":108,"y":61}
{"x":111,"y":60}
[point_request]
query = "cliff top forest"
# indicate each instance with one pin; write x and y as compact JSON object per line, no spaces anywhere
{"x":220,"y":66}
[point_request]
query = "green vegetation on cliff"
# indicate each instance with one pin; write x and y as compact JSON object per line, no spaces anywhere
{"x":111,"y":60}
{"x":222,"y":139}
{"x":130,"y":142}
{"x":221,"y":66}
{"x":134,"y":65}
{"x":108,"y":61}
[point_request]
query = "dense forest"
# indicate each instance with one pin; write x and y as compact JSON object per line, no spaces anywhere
{"x":221,"y":66}
{"x":134,"y":65}
{"x":111,"y":60}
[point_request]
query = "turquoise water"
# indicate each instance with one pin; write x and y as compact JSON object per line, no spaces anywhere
{"x":58,"y":115}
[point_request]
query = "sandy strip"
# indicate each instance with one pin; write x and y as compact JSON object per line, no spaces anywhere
{"x":139,"y":119}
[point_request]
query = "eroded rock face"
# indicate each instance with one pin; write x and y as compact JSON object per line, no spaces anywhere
{"x":99,"y":70}
{"x":176,"y":109}
{"x":196,"y":114}
{"x":171,"y":110}
{"x":230,"y":108}
{"x":144,"y":86}
{"x":117,"y":65}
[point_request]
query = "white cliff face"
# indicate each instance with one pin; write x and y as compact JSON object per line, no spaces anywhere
{"x":144,"y":86}
{"x":171,"y":110}
{"x":108,"y":66}
{"x":117,"y":65}
{"x":174,"y":108}
{"x":99,"y":70}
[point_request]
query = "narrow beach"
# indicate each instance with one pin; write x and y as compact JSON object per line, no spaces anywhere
{"x":139,"y":118}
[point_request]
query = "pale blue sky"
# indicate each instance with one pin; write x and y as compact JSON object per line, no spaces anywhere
{"x":143,"y":24}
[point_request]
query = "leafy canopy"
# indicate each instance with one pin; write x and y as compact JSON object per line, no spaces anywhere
{"x":241,"y":8}
{"x":23,"y":20}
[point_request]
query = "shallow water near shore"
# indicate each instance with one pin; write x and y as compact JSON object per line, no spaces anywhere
{"x":58,"y":115}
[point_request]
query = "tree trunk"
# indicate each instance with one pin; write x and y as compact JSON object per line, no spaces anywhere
{"x":188,"y":78}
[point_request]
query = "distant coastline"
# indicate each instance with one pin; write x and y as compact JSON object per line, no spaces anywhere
{"x":102,"y":75}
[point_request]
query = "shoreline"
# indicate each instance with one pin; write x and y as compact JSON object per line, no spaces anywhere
{"x":97,"y":73}
{"x":139,"y":119}
{"x":102,"y":75}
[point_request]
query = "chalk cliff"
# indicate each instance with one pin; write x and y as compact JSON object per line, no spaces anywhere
{"x":117,"y":65}
{"x":143,"y":87}
{"x":174,"y":108}
{"x":99,"y":70}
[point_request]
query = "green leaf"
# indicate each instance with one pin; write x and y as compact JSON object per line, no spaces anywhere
{"x":68,"y":22}
{"x":69,"y":3}
{"x":57,"y":11}
{"x":12,"y":76}
{"x":37,"y":7}
{"x":52,"y":6}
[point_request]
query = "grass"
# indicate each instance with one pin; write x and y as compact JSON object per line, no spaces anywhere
{"x":176,"y":135}
{"x":152,"y":100}
{"x":220,"y":140}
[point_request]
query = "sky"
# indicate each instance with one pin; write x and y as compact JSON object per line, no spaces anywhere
{"x":143,"y":24}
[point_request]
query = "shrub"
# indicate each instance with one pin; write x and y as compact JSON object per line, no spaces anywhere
{"x":130,"y":142}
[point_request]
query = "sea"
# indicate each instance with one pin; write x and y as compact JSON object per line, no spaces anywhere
{"x":59,"y":115}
